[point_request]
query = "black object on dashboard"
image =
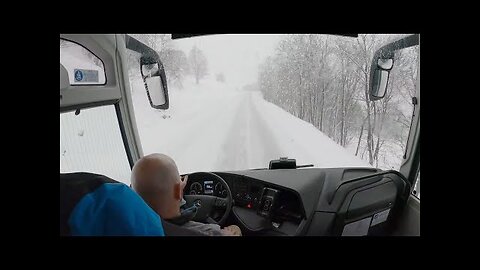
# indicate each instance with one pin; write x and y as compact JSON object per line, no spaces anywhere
{"x":282,"y":163}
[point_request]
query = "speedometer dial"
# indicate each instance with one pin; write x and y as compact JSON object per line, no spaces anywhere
{"x":220,"y":190}
{"x":195,"y":188}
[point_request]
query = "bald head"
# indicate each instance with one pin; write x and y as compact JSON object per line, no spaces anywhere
{"x":155,"y":171}
{"x":155,"y":177}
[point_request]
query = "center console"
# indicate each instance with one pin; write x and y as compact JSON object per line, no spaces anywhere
{"x":262,"y":209}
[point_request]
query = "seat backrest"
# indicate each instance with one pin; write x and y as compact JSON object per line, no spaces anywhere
{"x":95,"y":205}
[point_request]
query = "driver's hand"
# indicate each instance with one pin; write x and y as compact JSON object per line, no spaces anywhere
{"x":232,"y":230}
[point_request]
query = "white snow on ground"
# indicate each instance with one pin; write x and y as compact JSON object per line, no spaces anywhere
{"x":303,"y":141}
{"x":212,"y":126}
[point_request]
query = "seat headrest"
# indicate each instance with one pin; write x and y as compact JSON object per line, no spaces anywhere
{"x":95,"y":205}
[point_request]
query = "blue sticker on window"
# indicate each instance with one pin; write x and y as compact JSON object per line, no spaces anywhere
{"x":86,"y":75}
{"x":78,"y":75}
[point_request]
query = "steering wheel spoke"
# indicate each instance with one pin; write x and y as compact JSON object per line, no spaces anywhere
{"x":220,"y":202}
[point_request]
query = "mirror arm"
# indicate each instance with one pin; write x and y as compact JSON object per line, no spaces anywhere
{"x":388,"y":50}
{"x":137,"y":46}
{"x":149,"y":55}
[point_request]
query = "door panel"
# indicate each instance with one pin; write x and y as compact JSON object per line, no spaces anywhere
{"x":409,"y":223}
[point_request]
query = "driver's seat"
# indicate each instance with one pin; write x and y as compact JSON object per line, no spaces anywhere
{"x":95,"y":205}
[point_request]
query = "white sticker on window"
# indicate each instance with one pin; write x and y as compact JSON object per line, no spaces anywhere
{"x":357,"y":228}
{"x":380,"y":217}
{"x":85,"y":75}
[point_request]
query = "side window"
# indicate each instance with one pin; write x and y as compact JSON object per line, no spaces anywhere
{"x":83,"y":67}
{"x":91,"y":142}
{"x":416,"y":189}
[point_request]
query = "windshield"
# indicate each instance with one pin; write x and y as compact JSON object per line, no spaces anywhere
{"x":239,"y":101}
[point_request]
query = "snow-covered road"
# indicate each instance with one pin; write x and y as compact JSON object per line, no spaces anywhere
{"x":213,"y":129}
{"x":248,"y":142}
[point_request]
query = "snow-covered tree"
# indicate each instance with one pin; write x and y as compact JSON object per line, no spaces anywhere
{"x":324,"y":80}
{"x":198,"y":63}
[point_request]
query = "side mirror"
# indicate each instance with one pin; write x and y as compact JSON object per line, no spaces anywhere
{"x":153,"y":73}
{"x":154,"y":78}
{"x":379,"y":74}
{"x":382,"y":63}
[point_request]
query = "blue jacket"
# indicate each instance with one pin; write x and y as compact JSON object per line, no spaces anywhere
{"x":95,"y":205}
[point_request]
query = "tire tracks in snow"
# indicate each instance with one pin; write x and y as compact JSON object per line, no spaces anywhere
{"x":207,"y":131}
{"x":249,"y":142}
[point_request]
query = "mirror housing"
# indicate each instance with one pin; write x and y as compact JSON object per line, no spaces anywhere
{"x":379,"y":73}
{"x":153,"y":73}
{"x":155,"y":80}
{"x":382,"y":63}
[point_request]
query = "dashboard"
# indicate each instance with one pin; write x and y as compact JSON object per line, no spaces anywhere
{"x":333,"y":201}
{"x":266,"y":200}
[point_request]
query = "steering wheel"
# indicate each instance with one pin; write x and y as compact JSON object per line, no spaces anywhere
{"x":207,"y":204}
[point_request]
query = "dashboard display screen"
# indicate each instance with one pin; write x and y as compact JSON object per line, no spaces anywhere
{"x":208,"y":187}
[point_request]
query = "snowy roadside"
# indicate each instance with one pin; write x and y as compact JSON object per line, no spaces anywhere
{"x":301,"y":140}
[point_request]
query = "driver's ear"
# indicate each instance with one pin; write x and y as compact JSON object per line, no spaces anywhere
{"x":177,"y":191}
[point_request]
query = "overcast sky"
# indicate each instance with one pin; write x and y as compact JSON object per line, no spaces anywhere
{"x":237,"y":56}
